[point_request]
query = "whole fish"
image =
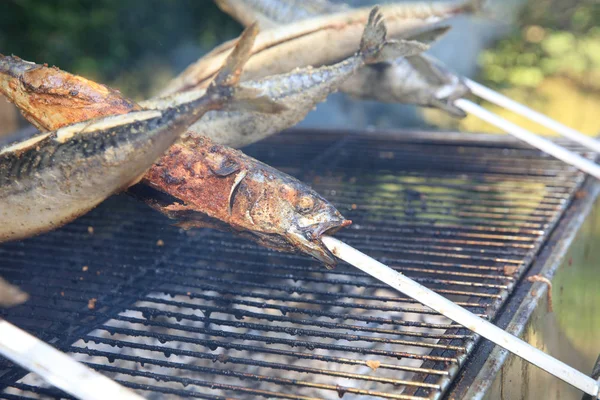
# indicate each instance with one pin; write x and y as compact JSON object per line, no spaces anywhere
{"x":51,"y":179}
{"x":215,"y":186}
{"x":299,"y":91}
{"x":314,"y":42}
{"x":419,"y":80}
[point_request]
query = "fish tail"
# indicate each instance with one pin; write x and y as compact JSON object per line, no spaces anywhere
{"x":227,"y":81}
{"x":375,"y":47}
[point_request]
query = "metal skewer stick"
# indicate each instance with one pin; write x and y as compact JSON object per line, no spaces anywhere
{"x":536,"y":141}
{"x":503,"y":101}
{"x":464,"y":317}
{"x":57,"y":368}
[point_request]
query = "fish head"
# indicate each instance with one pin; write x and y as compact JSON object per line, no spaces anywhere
{"x":293,"y":217}
{"x":446,"y":94}
{"x":442,"y":86}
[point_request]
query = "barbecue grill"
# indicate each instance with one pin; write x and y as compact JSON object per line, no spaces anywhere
{"x":202,"y":314}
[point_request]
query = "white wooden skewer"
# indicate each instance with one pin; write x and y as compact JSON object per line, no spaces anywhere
{"x":464,"y":317}
{"x":536,"y":141}
{"x":57,"y":368}
{"x":503,"y":101}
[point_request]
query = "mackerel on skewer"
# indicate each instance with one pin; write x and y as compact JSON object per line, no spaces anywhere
{"x":419,"y":80}
{"x":202,"y":184}
{"x":214,"y":186}
{"x":299,"y":91}
{"x":314,"y":42}
{"x":53,"y":178}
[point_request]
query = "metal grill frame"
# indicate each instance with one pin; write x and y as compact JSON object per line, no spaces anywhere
{"x":484,"y":365}
{"x":411,"y":138}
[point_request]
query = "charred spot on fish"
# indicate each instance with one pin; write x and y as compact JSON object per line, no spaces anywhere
{"x":74,"y":92}
{"x":170,"y":179}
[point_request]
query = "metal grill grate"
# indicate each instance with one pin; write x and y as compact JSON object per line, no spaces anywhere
{"x":214,"y":317}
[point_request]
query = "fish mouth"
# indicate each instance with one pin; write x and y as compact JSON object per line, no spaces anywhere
{"x":308,"y":240}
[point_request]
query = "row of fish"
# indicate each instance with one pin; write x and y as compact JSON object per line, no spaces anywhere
{"x":101,"y":142}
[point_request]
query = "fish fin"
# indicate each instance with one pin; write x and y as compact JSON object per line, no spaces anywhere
{"x":374,"y":46}
{"x":230,"y":73}
{"x":221,"y":165}
{"x":429,"y":35}
{"x":228,"y":78}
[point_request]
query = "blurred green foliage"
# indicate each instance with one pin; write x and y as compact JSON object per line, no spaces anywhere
{"x":110,"y":40}
{"x":557,"y":38}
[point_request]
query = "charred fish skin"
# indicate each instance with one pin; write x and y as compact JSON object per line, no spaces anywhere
{"x":308,"y":42}
{"x":218,"y":187}
{"x":55,"y":177}
{"x":38,"y":89}
{"x":418,"y":80}
{"x":299,"y":91}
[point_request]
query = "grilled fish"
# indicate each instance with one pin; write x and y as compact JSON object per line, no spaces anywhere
{"x":309,"y":42}
{"x":419,"y":80}
{"x":53,"y":178}
{"x":203,"y":184}
{"x":217,"y":187}
{"x":299,"y":91}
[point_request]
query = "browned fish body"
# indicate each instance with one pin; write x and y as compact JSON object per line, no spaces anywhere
{"x":219,"y":187}
{"x":39,"y":90}
{"x":203,"y":184}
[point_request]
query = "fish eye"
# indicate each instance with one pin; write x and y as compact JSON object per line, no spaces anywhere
{"x":305,"y":204}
